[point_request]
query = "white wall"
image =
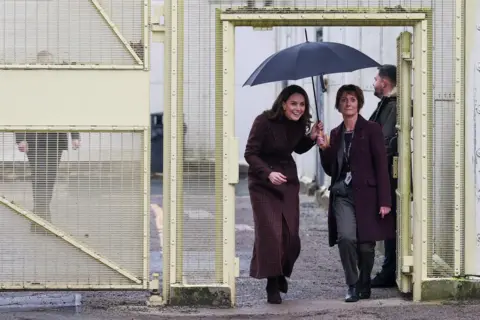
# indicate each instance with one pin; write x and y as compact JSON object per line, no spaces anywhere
{"x":379,"y":44}
{"x":251,"y":48}
{"x":250,"y":101}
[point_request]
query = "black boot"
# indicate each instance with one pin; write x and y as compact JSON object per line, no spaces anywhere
{"x":351,"y":295}
{"x":386,"y":277}
{"x":382,"y":280}
{"x":273,"y":291}
{"x":282,"y":284}
{"x":366,"y":260}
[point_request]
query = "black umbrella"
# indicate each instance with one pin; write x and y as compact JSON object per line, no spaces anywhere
{"x":310,"y":59}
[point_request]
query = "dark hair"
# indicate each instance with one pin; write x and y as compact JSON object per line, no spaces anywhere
{"x":388,"y":71}
{"x":352,"y":89}
{"x":276,"y":112}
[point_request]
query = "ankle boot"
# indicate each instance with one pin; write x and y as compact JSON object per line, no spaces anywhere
{"x":282,"y":284}
{"x":351,"y":295}
{"x":273,"y":291}
{"x":366,"y":261}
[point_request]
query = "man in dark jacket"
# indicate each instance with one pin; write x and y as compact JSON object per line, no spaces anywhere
{"x":44,"y":151}
{"x":386,"y":115}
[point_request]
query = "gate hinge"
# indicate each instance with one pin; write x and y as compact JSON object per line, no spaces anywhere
{"x":395,"y":167}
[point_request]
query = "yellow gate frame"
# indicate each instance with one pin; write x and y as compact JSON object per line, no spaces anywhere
{"x":421,"y":21}
{"x":226,"y":145}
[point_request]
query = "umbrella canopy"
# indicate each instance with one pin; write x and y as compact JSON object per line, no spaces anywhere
{"x":310,"y":59}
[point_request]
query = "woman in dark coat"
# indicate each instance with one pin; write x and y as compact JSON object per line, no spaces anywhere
{"x":274,"y":187}
{"x":360,"y":198}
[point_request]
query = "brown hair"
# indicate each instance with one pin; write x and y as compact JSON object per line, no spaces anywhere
{"x":276,"y":112}
{"x":351,"y":89}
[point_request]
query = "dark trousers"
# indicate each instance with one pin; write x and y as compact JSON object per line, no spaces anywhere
{"x":357,"y":259}
{"x":43,"y":166}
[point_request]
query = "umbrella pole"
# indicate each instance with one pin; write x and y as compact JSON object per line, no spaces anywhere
{"x":313,"y":85}
{"x":315,"y":98}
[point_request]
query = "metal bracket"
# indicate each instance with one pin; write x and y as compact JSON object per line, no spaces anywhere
{"x":395,"y":167}
{"x":158,"y":23}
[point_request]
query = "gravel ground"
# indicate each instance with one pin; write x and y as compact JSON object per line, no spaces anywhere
{"x":316,"y":288}
{"x":318,"y":273}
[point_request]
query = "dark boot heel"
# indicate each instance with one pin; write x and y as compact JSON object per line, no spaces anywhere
{"x":282,"y":284}
{"x":273,"y":292}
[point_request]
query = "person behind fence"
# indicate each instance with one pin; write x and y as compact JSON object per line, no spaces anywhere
{"x":358,"y":214}
{"x":274,"y":186}
{"x":44,"y":151}
{"x":386,"y":116}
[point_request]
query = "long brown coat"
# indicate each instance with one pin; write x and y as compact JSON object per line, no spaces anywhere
{"x":275,"y":208}
{"x":370,"y":180}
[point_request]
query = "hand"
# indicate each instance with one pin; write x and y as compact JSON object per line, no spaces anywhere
{"x":384,"y":211}
{"x":76,"y":144}
{"x":277,"y":178}
{"x":317,"y":130}
{"x":22,"y":146}
{"x":323,"y":141}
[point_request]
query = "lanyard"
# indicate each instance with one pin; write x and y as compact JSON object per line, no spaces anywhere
{"x":346,"y":150}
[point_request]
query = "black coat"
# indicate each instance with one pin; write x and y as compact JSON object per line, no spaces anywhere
{"x":370,"y":181}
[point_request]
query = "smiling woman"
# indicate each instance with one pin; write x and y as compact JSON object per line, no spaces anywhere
{"x":273,"y":185}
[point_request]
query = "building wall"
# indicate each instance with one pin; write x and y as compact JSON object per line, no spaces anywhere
{"x":379,"y":44}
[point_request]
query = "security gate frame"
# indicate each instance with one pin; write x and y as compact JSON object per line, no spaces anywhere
{"x":421,"y":21}
{"x":120,"y":114}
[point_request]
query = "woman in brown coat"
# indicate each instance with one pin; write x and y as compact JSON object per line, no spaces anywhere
{"x":274,"y":187}
{"x":360,"y":198}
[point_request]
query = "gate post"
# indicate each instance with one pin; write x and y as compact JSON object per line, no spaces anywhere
{"x":404,"y":118}
{"x":230,"y":157}
{"x":459,"y":193}
{"x":422,"y":129}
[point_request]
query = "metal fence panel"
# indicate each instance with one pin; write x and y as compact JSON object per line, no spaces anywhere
{"x":199,"y":150}
{"x":72,"y":218}
{"x":72,"y":33}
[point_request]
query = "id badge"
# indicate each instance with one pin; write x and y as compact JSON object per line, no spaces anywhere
{"x":348,"y":178}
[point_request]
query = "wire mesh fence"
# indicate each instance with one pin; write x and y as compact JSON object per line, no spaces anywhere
{"x":201,"y":184}
{"x":71,"y":32}
{"x":71,"y":211}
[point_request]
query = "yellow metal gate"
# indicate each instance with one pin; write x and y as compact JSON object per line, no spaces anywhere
{"x":402,"y":167}
{"x":74,"y":151}
{"x":201,"y":164}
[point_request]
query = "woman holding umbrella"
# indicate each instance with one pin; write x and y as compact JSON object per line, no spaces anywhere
{"x":274,"y":187}
{"x":360,"y":200}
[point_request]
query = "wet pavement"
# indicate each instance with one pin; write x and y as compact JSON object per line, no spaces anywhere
{"x":316,"y":287}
